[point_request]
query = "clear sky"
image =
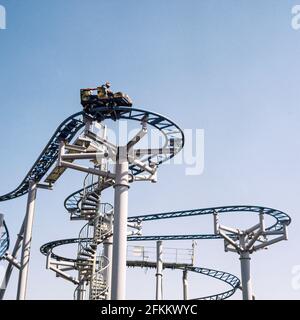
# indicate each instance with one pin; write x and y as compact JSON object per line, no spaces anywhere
{"x":228,"y":67}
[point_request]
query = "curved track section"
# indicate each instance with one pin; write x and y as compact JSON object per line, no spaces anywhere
{"x":280,"y":217}
{"x":4,"y":240}
{"x":66,"y":131}
{"x":168,"y":129}
{"x":223,"y":276}
{"x":50,"y":246}
{"x":226,"y":277}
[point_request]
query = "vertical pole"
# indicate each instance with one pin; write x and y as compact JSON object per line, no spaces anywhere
{"x":185,"y":284}
{"x":245,"y":273}
{"x":10,"y":266}
{"x":80,"y":291}
{"x":108,"y":253}
{"x":26,"y":246}
{"x":120,"y":226}
{"x":159,"y":271}
{"x":93,"y":283}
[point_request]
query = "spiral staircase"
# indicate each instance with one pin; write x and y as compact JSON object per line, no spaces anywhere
{"x":91,"y":262}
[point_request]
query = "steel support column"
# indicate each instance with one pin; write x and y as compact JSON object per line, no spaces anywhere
{"x":26,"y":246}
{"x":80,"y":292}
{"x":10,"y":266}
{"x":108,"y":253}
{"x":120,"y":227}
{"x":245,"y":274}
{"x":185,"y":284}
{"x":159,"y":271}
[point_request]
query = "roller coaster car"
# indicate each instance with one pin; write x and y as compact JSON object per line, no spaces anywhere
{"x":122,"y":99}
{"x":90,"y":100}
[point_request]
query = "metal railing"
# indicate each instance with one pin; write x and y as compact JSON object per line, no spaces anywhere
{"x":170,"y":255}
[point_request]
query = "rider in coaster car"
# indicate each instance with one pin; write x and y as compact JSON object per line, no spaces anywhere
{"x":104,"y":92}
{"x":104,"y":97}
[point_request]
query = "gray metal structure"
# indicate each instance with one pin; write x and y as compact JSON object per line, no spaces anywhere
{"x":100,"y":263}
{"x":4,"y":237}
{"x":26,"y":245}
{"x":97,"y":149}
{"x":159,"y":270}
{"x":232,"y":281}
{"x":245,"y":242}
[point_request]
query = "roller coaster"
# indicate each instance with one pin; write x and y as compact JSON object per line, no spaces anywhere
{"x":98,"y":270}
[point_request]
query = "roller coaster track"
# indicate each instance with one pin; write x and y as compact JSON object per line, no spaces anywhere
{"x":67,"y":131}
{"x":174,"y":142}
{"x":280,"y":217}
{"x":226,"y":277}
{"x":4,"y":240}
{"x":70,"y":127}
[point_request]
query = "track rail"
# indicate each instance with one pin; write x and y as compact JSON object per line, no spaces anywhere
{"x":223,"y":276}
{"x":70,"y":127}
{"x":280,"y":217}
{"x":167,"y":127}
{"x":226,"y":277}
{"x":66,"y":131}
{"x":4,"y":240}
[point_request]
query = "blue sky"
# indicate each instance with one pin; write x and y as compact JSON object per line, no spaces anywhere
{"x":228,"y":67}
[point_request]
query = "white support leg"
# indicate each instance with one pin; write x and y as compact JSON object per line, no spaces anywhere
{"x":108,"y":253}
{"x":10,"y":266}
{"x":159,"y":271}
{"x":120,"y":229}
{"x":245,"y":274}
{"x":185,"y":284}
{"x":26,"y":246}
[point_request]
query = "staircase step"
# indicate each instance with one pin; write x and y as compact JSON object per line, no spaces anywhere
{"x":92,"y":199}
{"x":89,"y":209}
{"x":86,"y":204}
{"x":94,"y":194}
{"x":92,"y":212}
{"x":89,"y":202}
{"x":85,"y":254}
{"x":86,"y":263}
{"x":91,"y":250}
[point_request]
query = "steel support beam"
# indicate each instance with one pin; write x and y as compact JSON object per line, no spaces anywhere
{"x":159,"y":270}
{"x":185,"y":284}
{"x":120,"y":227}
{"x":26,"y":246}
{"x":8,"y":257}
{"x":108,"y":252}
{"x":10,"y":266}
{"x":246,"y":276}
{"x":60,"y":273}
